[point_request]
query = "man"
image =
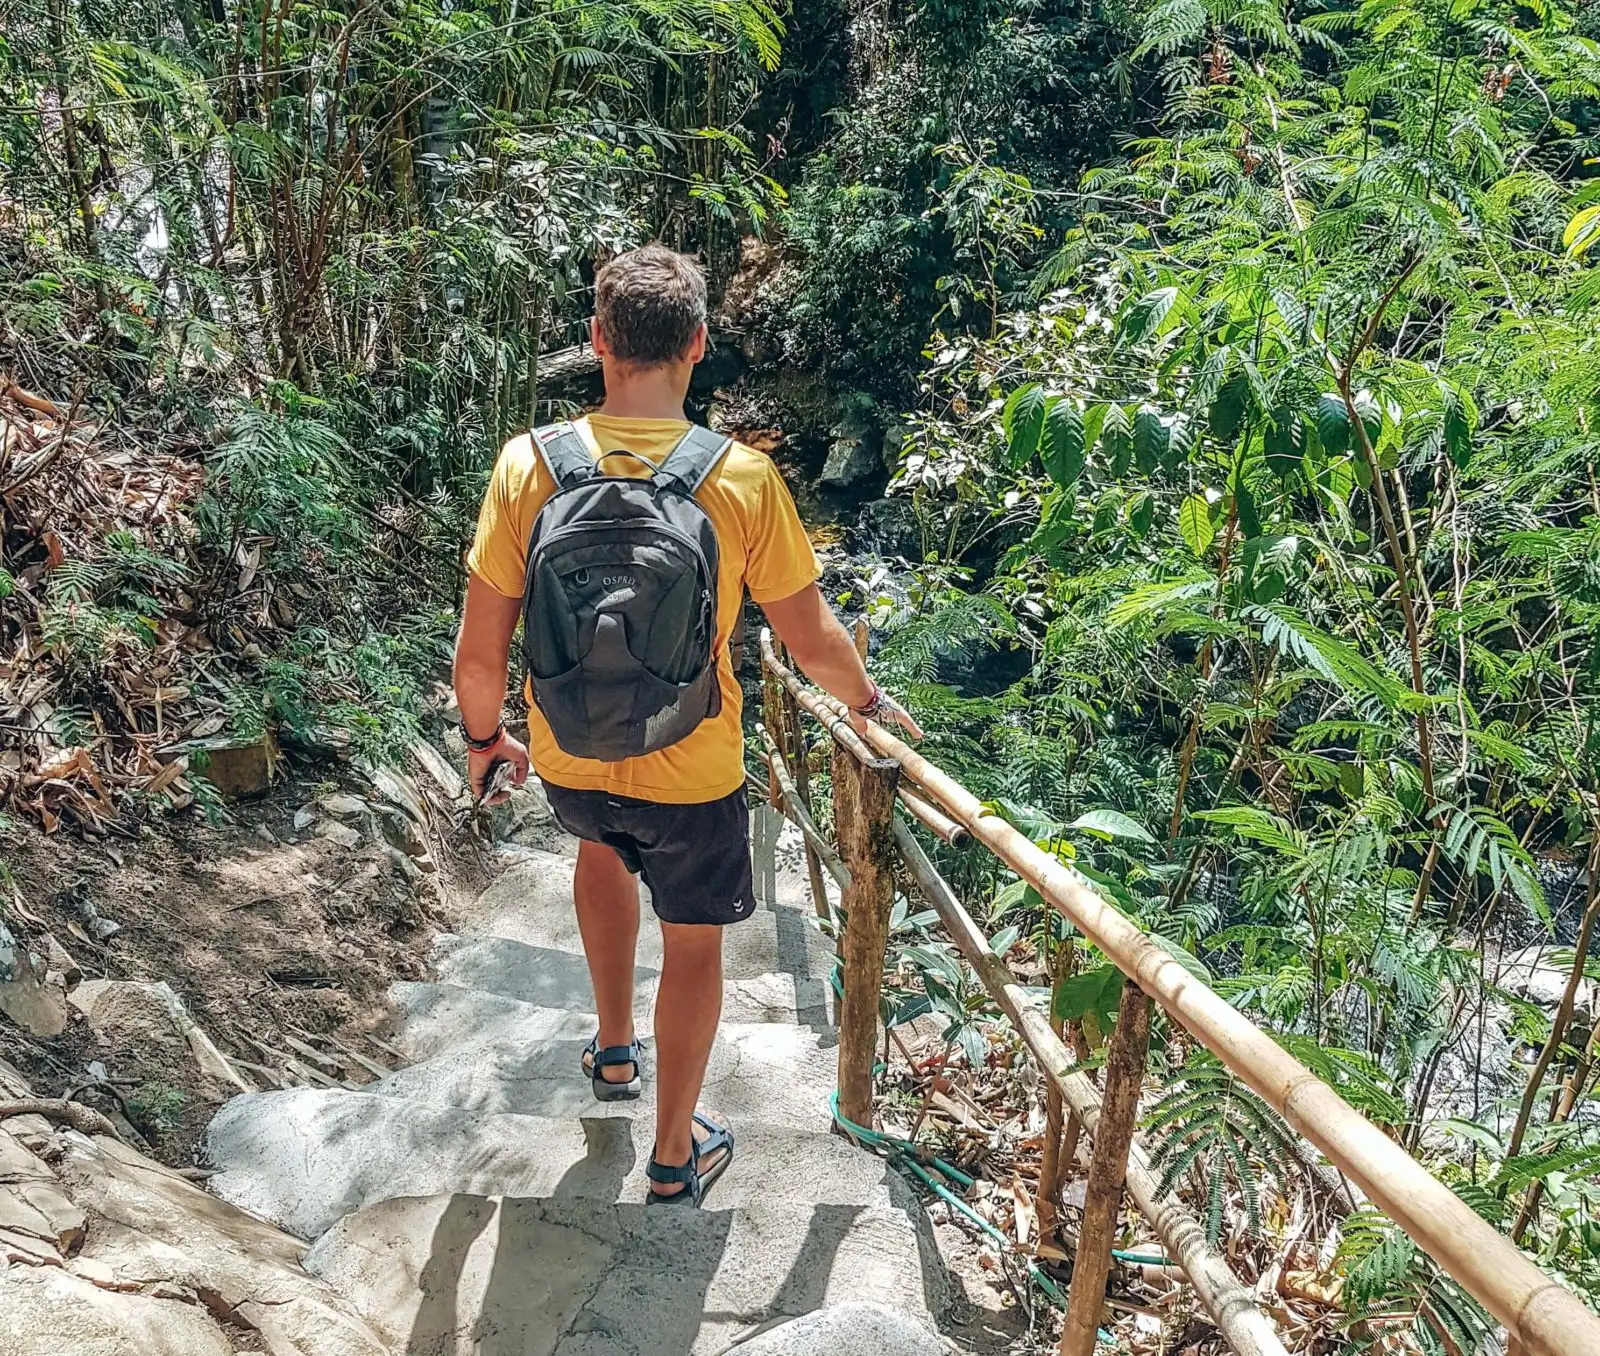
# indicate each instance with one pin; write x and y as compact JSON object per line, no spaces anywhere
{"x":678,"y":816}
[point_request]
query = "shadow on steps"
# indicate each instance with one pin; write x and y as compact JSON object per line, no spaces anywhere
{"x":517,"y":1277}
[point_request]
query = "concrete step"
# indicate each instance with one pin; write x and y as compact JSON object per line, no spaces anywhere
{"x":430,"y":1017}
{"x":532,"y":903}
{"x":758,"y":1071}
{"x":306,"y":1157}
{"x":552,"y":976}
{"x":846,"y":1330}
{"x":545,"y":977}
{"x":451,"y":1275}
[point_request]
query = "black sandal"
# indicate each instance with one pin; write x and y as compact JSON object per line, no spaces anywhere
{"x":694,"y":1184}
{"x":613,"y":1056}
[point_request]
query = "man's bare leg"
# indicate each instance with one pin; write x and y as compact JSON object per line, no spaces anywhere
{"x":688,"y":1007}
{"x":607,"y":898}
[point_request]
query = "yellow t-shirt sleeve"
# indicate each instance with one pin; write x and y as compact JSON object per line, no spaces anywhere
{"x":779,"y":560}
{"x":499,"y":548}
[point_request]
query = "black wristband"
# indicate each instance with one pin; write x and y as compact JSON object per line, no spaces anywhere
{"x":484,"y":745}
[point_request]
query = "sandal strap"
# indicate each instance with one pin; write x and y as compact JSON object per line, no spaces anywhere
{"x":615,"y":1054}
{"x":687,"y":1174}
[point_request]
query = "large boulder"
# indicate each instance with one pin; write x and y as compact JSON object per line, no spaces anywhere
{"x":851,"y":462}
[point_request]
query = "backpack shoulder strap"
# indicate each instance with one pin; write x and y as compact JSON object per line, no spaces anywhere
{"x":565,"y":454}
{"x":693,"y":459}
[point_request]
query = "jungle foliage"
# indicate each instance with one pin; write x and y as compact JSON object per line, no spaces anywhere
{"x":1285,"y":476}
{"x":321,"y":249}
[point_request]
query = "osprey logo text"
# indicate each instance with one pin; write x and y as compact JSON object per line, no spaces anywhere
{"x":618,"y":581}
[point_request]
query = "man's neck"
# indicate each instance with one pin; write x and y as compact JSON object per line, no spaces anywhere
{"x":644,"y":393}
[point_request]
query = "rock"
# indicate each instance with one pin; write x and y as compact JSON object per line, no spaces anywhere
{"x":895,"y":438}
{"x":404,"y":866}
{"x":59,"y":959}
{"x":399,"y":790}
{"x":38,"y":1007}
{"x":847,"y":1330}
{"x":403,"y":832}
{"x":238,"y":768}
{"x":304,"y":818}
{"x":850,"y":462}
{"x":40,"y":1210}
{"x":888,"y":528}
{"x":439,"y":768}
{"x":155,"y":1229}
{"x":265,"y":834}
{"x":98,"y":1273}
{"x":1533,"y":974}
{"x":153,"y":1013}
{"x":46,"y":1312}
{"x":344,"y":807}
{"x":341,"y":835}
{"x":27,"y":1249}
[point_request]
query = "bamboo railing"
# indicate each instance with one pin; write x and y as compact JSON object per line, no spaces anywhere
{"x":1541,"y":1316}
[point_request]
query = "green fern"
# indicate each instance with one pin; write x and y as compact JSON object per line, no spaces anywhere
{"x":1208,"y":1122}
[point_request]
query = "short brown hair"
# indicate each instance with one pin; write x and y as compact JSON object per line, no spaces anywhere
{"x":649,"y":302}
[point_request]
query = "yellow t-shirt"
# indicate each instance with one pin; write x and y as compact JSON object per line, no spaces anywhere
{"x":762,"y":547}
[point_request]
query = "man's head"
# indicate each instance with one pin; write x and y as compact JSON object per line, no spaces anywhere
{"x":650,"y":309}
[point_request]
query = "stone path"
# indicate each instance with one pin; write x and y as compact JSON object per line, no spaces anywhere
{"x":480,"y":1201}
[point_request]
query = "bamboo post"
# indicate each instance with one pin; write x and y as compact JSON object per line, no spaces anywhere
{"x":863,"y":817}
{"x":1107,"y":1172}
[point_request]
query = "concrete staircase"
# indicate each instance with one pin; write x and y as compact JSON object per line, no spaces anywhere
{"x":481,"y":1201}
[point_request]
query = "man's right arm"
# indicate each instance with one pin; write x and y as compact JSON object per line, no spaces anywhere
{"x":827,"y":655}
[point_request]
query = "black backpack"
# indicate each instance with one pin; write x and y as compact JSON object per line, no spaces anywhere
{"x":619,"y":609}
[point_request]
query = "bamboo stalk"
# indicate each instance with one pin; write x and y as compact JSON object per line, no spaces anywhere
{"x":863,"y":817}
{"x":1248,"y":1330}
{"x":1548,"y":1318}
{"x":934,"y":820}
{"x":1108,"y":1170}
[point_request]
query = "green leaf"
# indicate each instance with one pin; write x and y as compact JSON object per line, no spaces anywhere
{"x":1106,"y":511}
{"x":1142,"y":316}
{"x":1063,"y":444}
{"x":1371,"y":416}
{"x":1109,"y":824}
{"x":1095,"y":992}
{"x":1333,"y":423}
{"x":1284,"y":442}
{"x":1228,"y":410}
{"x":1186,"y":958}
{"x":1150,"y":439}
{"x":1115,"y":441}
{"x":1582,"y":232}
{"x":1023,"y":420}
{"x":1194,"y":521}
{"x":1459,"y":421}
{"x":1141,"y":512}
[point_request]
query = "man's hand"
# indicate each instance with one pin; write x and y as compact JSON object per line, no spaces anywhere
{"x":481,"y":769}
{"x":888,"y":713}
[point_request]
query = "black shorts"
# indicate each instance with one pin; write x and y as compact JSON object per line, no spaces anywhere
{"x":694,"y":858}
